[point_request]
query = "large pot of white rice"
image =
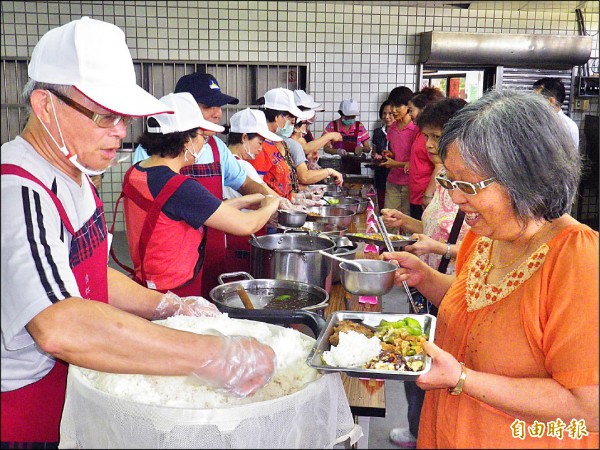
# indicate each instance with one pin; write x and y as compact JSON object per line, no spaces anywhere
{"x":298,"y":408}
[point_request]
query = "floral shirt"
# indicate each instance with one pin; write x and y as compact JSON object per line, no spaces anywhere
{"x":437,"y":219}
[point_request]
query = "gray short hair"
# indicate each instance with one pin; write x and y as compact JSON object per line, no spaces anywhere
{"x":32,"y":85}
{"x":516,"y":137}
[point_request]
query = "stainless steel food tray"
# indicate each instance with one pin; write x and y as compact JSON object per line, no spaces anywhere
{"x":322,"y":344}
{"x":397,"y":244}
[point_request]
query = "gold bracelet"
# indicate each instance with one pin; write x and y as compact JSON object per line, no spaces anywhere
{"x":457,"y":390}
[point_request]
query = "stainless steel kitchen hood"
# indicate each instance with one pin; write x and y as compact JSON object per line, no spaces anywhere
{"x":492,"y":49}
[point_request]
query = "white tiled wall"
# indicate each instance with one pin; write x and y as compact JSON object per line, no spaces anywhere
{"x":354,"y":49}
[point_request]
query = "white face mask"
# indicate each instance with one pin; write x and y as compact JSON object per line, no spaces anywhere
{"x":248,"y":152}
{"x":193,"y":153}
{"x":71,"y":157}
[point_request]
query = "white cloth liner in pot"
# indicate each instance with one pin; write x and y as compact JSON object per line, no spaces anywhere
{"x":316,"y":416}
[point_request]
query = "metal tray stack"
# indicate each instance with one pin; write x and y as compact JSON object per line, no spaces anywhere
{"x":373,"y":319}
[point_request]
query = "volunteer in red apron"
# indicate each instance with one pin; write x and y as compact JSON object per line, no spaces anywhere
{"x":163,"y":207}
{"x":215,"y":166}
{"x":247,"y":133}
{"x":32,"y":413}
{"x":61,"y":303}
{"x":355,"y":137}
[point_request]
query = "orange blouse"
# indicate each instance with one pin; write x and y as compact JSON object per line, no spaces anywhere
{"x":540,"y":321}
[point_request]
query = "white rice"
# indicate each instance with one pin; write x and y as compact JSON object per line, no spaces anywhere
{"x":292,"y":373}
{"x":354,"y":349}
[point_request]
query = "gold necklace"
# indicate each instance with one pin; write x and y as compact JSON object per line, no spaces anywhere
{"x":491,"y":266}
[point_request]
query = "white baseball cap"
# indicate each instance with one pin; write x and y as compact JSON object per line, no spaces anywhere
{"x":252,"y":121}
{"x":303,"y":99}
{"x":349,"y":107}
{"x":282,"y":99}
{"x":187,"y":116}
{"x":93,"y":57}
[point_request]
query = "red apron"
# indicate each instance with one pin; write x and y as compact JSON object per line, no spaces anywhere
{"x":32,"y":413}
{"x":350,"y":164}
{"x":210,"y":176}
{"x":153,"y":210}
{"x":238,"y":250}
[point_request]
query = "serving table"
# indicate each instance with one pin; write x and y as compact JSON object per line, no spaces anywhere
{"x":365,"y":396}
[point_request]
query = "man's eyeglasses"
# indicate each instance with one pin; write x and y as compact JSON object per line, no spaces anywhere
{"x":102,"y":120}
{"x":464,"y":186}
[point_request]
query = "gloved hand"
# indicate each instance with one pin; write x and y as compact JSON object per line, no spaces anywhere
{"x":341,"y":152}
{"x":173,"y":305}
{"x":242,"y":365}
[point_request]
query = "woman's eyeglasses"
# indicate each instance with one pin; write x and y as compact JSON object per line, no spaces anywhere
{"x":102,"y":120}
{"x":464,"y":186}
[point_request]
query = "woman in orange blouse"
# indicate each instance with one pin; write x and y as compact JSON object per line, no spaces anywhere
{"x":515,"y":358}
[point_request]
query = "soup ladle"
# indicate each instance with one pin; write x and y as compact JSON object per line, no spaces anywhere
{"x":349,"y":261}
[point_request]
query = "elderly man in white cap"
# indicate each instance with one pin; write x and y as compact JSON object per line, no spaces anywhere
{"x":61,"y":304}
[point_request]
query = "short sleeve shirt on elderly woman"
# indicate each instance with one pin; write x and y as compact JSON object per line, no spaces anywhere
{"x":270,"y":165}
{"x":541,"y":321}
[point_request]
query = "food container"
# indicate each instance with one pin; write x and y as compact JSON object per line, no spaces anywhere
{"x":330,"y":214}
{"x":328,"y":229}
{"x":291,"y":219}
{"x":292,"y":256}
{"x":344,"y":248}
{"x":379,"y":279}
{"x":350,"y":203}
{"x":269,"y":293}
{"x":333,"y":190}
{"x":94,"y":418}
{"x":363,"y":203}
{"x":372,"y":319}
{"x":398,"y":241}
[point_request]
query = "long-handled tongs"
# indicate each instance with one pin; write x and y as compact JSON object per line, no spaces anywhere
{"x":390,"y":248}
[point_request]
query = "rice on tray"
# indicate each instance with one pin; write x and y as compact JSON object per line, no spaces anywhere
{"x":291,"y":374}
{"x":354,"y":349}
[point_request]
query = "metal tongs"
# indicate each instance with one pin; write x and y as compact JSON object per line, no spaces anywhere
{"x":390,"y":248}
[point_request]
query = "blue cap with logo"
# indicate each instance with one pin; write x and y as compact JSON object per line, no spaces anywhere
{"x":205,"y":89}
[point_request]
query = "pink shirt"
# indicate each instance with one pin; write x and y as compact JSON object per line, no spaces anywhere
{"x":400,"y":145}
{"x":351,"y":136}
{"x":420,"y":172}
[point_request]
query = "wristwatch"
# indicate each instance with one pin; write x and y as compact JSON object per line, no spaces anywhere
{"x":448,"y":255}
{"x":457,"y":390}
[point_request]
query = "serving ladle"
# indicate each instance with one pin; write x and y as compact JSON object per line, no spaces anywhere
{"x":359,"y":266}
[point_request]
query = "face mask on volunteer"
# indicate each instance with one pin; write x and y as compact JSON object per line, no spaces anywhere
{"x":248,"y":152}
{"x":63,"y":148}
{"x":286,"y":131}
{"x":348,"y":122}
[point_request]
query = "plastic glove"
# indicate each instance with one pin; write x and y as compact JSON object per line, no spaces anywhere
{"x":284,"y":203}
{"x":242,"y":365}
{"x":341,"y":152}
{"x":173,"y":305}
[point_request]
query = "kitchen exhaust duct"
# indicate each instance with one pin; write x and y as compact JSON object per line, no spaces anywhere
{"x":440,"y":48}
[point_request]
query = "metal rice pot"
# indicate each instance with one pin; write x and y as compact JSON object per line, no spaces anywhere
{"x":344,"y":248}
{"x":292,"y":256}
{"x":269,"y":294}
